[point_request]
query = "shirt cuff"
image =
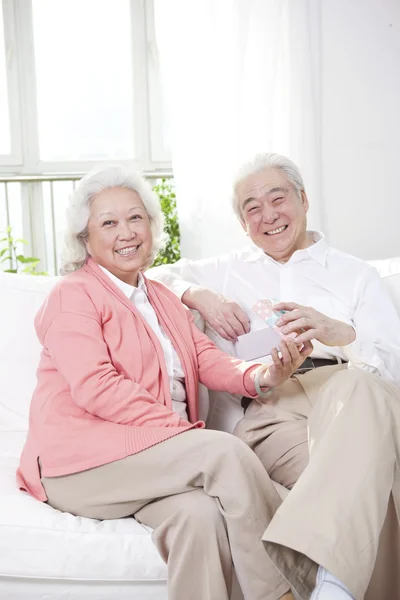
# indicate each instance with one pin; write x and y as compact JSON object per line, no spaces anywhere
{"x":180,"y":287}
{"x":363,"y":355}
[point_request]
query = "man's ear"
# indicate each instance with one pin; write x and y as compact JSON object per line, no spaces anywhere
{"x":243,"y":224}
{"x":304,"y":201}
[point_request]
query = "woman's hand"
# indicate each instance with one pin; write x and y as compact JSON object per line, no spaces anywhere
{"x":314,"y":325}
{"x":282,"y":368}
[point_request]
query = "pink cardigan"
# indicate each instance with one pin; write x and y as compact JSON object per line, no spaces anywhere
{"x":102,"y":388}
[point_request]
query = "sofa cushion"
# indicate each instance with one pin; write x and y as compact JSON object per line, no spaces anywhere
{"x":389,"y":270}
{"x":20,"y":298}
{"x":58,"y":545}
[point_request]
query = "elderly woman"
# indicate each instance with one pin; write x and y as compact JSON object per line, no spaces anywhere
{"x":114,"y":427}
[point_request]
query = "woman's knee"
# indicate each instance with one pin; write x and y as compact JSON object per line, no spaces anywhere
{"x":225,"y":444}
{"x":199,"y":513}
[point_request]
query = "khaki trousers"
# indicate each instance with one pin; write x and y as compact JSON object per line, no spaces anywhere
{"x":343,"y":507}
{"x":208,"y":499}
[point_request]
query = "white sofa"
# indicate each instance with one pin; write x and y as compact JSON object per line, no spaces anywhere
{"x":45,"y":553}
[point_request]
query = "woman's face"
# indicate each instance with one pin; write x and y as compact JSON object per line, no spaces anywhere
{"x":119,"y":235}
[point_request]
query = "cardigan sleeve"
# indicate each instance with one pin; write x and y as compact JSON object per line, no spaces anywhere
{"x":80,"y":354}
{"x":220,"y":371}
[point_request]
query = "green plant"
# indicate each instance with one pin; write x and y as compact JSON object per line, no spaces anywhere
{"x":18,"y":262}
{"x":171,"y":252}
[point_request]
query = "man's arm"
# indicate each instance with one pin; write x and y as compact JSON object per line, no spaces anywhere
{"x":371,"y":342}
{"x":377,"y":326}
{"x":199,"y":283}
{"x":219,"y":371}
{"x":181,"y":275}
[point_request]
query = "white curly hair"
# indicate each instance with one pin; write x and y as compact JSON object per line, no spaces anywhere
{"x":103,"y":177}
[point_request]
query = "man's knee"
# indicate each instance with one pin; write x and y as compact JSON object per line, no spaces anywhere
{"x":356,"y":385}
{"x":241,"y":429}
{"x":284,"y":453}
{"x":352,"y":377}
{"x":290,"y":466}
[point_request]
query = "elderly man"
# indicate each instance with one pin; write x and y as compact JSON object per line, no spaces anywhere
{"x":349,"y":418}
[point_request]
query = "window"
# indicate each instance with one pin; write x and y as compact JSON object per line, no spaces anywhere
{"x":79,"y":84}
{"x":82,"y":83}
{"x":84,"y":79}
{"x":5,"y":143}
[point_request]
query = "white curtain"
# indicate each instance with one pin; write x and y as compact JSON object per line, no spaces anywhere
{"x":239,"y":77}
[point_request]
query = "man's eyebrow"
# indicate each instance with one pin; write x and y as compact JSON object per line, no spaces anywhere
{"x":276,"y":189}
{"x":247,"y":201}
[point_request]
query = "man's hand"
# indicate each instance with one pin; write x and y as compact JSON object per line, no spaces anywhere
{"x":223,"y":315}
{"x":314,"y":325}
{"x":283,"y":368}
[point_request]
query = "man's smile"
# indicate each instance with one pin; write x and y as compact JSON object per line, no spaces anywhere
{"x":277,"y":231}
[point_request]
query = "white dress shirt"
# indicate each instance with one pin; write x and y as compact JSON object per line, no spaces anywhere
{"x":335,"y":283}
{"x":138,"y":296}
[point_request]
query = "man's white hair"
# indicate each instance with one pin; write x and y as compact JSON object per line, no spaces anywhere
{"x":266,"y":161}
{"x":104,"y":177}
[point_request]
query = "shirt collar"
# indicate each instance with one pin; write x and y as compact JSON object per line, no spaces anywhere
{"x":126,"y":288}
{"x":318,"y":251}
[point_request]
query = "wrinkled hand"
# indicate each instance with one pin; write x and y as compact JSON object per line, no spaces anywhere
{"x":283,"y":368}
{"x":314,"y":325}
{"x":223,"y":315}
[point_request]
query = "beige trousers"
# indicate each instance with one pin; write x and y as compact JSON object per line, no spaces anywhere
{"x":336,"y":512}
{"x":208,"y":499}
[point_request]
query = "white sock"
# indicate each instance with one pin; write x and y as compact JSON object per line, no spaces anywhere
{"x":329,"y":587}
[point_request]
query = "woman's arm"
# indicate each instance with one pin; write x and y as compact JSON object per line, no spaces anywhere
{"x":219,"y":371}
{"x":71,"y":332}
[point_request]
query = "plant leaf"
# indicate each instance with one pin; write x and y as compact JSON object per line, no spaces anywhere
{"x":22,"y":259}
{"x":6,"y":258}
{"x":10,"y":271}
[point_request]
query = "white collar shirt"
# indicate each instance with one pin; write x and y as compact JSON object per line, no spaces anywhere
{"x":335,"y":283}
{"x":138,"y":297}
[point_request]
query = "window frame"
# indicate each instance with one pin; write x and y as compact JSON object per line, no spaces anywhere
{"x":21,"y":77}
{"x":14,"y":157}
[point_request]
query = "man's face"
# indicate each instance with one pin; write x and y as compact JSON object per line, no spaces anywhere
{"x":273,"y":213}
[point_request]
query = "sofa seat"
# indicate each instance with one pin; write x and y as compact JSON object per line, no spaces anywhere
{"x":39,"y":542}
{"x":49,"y":555}
{"x":44,"y":553}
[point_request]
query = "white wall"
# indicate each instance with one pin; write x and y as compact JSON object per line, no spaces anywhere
{"x":360,"y":134}
{"x":359,"y":129}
